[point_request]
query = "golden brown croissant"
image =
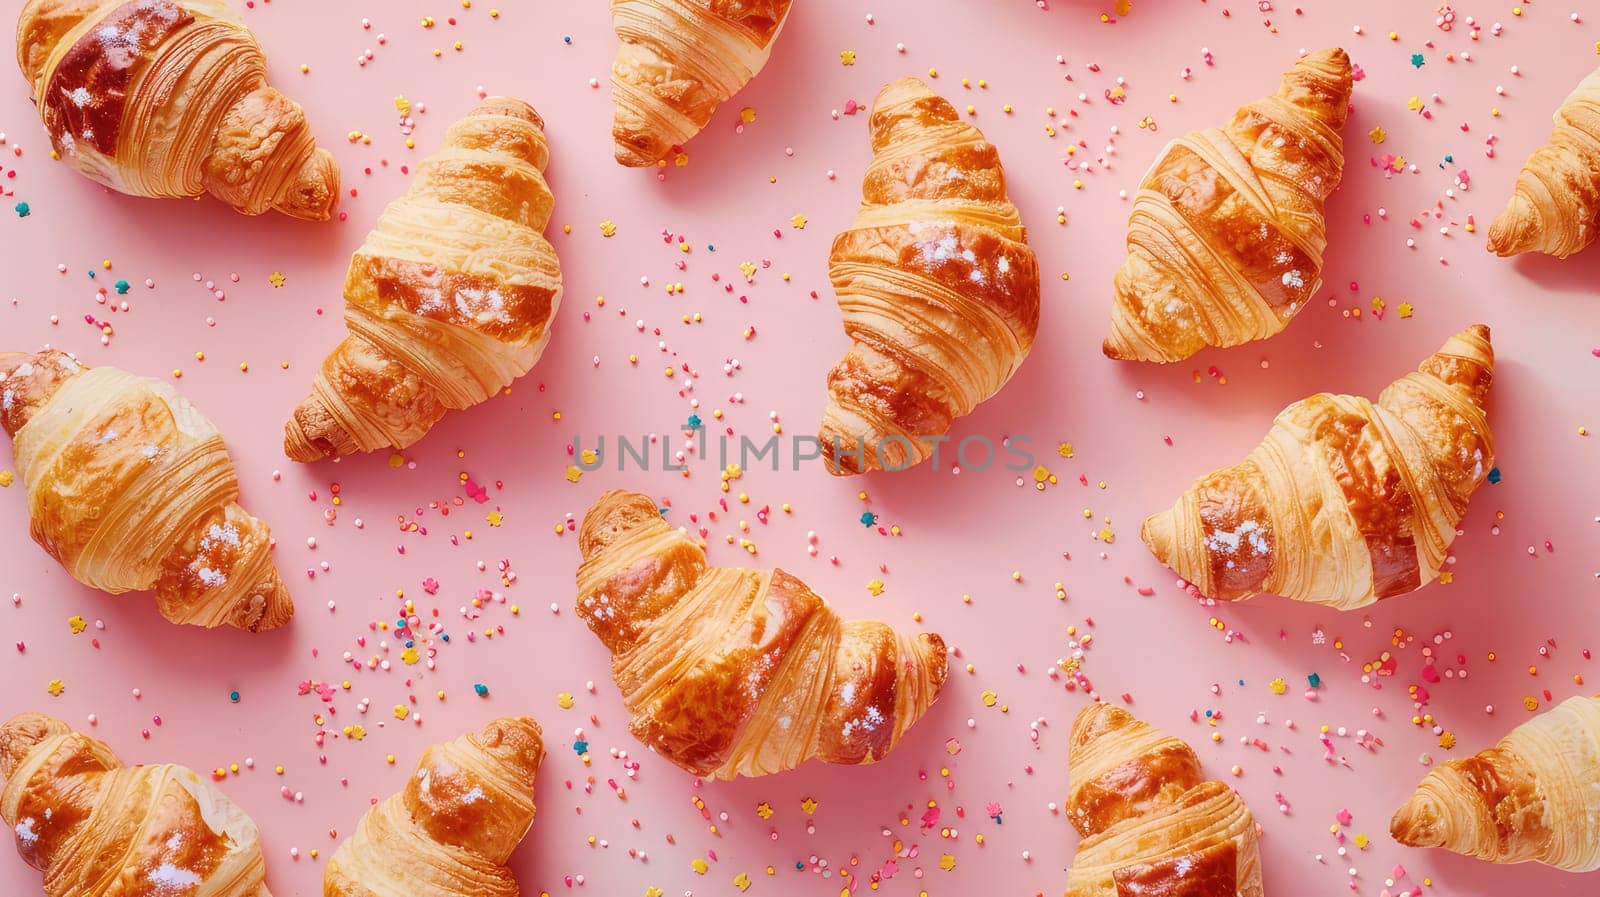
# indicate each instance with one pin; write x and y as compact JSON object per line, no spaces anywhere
{"x":451,"y":831}
{"x":1345,"y":501}
{"x":130,"y":487}
{"x":1152,"y":825}
{"x":938,"y":287}
{"x":1227,"y":232}
{"x":451,"y":296}
{"x":1532,"y":797}
{"x":677,"y":61}
{"x":169,"y":98}
{"x":1556,"y":206}
{"x":97,"y":828}
{"x":732,"y":672}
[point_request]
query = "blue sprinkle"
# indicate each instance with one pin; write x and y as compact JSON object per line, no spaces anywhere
{"x":445,"y":636}
{"x":799,"y":866}
{"x":694,"y":422}
{"x":23,"y":210}
{"x":1314,"y":680}
{"x":868,"y":518}
{"x":91,"y":274}
{"x":566,"y":38}
{"x":481,"y":689}
{"x":1450,"y":157}
{"x":580,"y":747}
{"x":122,"y":287}
{"x":1417,"y":60}
{"x":233,"y":696}
{"x":1208,"y":714}
{"x":1494,"y":475}
{"x":410,"y":643}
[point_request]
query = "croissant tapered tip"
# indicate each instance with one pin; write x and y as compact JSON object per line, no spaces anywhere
{"x":21,"y":734}
{"x":1516,"y":229}
{"x":613,"y":514}
{"x":272,"y":609}
{"x":303,"y":437}
{"x":509,"y":106}
{"x":1418,"y":822}
{"x":516,"y":741}
{"x":1157,"y":533}
{"x":314,"y":192}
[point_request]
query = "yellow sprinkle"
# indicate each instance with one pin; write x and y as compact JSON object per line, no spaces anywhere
{"x":565,"y":701}
{"x":55,"y":688}
{"x":7,"y":478}
{"x":401,"y":711}
{"x":608,"y":228}
{"x":77,"y":624}
{"x":847,"y":57}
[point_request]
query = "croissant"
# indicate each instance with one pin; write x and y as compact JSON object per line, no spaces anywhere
{"x":1345,"y":501}
{"x":1530,"y":797}
{"x":453,"y":828}
{"x":97,"y":828}
{"x":1556,"y":206}
{"x":451,"y":296}
{"x":1151,"y":823}
{"x":732,"y":672}
{"x":169,"y":98}
{"x":130,"y":487}
{"x":1226,"y":236}
{"x":936,"y":282}
{"x":677,"y":61}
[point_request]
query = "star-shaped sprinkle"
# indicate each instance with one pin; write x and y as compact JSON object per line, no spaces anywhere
{"x":947,"y":862}
{"x":799,"y":221}
{"x":565,"y":700}
{"x":847,"y":57}
{"x":55,"y":688}
{"x":742,"y":881}
{"x":77,"y":624}
{"x":574,"y":473}
{"x":875,"y":587}
{"x":494,"y":517}
{"x":276,"y":279}
{"x":764,"y":810}
{"x":1378,"y":134}
{"x":808,"y":806}
{"x":608,"y":228}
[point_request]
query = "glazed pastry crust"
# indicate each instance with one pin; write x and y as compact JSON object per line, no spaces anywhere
{"x":677,"y":61}
{"x":1555,"y":208}
{"x":1227,"y":232}
{"x":169,"y":98}
{"x":453,"y":828}
{"x":450,"y":298}
{"x":1152,"y":825}
{"x":732,"y":672}
{"x":1530,"y":798}
{"x":97,"y":828}
{"x":1346,"y":501}
{"x":936,"y":283}
{"x":130,"y":487}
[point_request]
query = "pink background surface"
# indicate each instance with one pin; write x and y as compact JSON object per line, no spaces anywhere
{"x":958,"y":535}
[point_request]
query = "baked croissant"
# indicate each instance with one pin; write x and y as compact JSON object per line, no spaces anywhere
{"x":169,"y":98}
{"x":1152,"y":825}
{"x":451,"y":296}
{"x":1345,"y":501}
{"x":936,"y":282}
{"x":1556,"y":206}
{"x":732,"y":672}
{"x":1226,"y":236}
{"x":130,"y":487}
{"x":677,"y":61}
{"x":97,"y":828}
{"x":451,"y":831}
{"x":1530,"y":797}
